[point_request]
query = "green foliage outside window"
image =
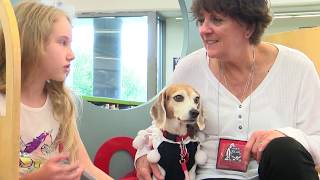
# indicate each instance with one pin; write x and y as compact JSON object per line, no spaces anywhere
{"x":83,"y":76}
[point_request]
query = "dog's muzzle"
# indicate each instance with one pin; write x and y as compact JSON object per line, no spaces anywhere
{"x":194,"y":114}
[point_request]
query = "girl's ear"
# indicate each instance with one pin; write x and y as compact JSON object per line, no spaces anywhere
{"x":158,"y":112}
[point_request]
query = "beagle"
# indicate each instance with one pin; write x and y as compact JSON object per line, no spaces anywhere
{"x":174,"y":139}
{"x":178,"y":110}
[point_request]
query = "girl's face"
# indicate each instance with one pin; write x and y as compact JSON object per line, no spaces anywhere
{"x":221,"y":35}
{"x":58,"y":54}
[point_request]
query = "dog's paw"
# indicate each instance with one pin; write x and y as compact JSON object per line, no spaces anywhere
{"x":153,"y":156}
{"x":201,"y":157}
{"x":141,"y":140}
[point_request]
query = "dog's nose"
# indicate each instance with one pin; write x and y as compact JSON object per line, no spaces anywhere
{"x":194,"y":113}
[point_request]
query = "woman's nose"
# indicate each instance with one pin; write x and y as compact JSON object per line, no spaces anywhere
{"x":205,"y":27}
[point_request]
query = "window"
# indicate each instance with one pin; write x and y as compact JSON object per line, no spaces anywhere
{"x":116,"y":56}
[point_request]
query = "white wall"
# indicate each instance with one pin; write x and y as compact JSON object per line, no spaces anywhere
{"x":172,"y":5}
{"x":174,"y":41}
{"x":280,"y":25}
{"x":293,"y":2}
{"x":131,"y":5}
{"x":124,"y":5}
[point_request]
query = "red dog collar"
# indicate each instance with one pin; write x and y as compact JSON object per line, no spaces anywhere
{"x":174,"y":137}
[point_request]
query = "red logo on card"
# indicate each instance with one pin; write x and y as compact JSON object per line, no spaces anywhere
{"x":230,"y":155}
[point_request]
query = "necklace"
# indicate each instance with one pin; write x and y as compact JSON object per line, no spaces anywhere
{"x":229,"y":155}
{"x":248,"y":83}
{"x":249,"y":79}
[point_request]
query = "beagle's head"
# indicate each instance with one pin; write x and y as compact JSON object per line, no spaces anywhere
{"x":178,"y":110}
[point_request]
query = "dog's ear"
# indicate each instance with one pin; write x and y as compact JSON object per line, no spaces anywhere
{"x":158,"y":111}
{"x":201,"y":118}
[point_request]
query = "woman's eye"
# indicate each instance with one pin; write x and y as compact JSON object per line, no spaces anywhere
{"x":196,"y":99}
{"x":178,"y":98}
{"x":216,"y":20}
{"x":200,"y":21}
{"x":213,"y":20}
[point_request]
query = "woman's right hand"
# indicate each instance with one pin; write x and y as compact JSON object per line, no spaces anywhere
{"x":55,"y":169}
{"x":145,"y":169}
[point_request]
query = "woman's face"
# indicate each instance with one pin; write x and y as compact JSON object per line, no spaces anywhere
{"x":222,"y":35}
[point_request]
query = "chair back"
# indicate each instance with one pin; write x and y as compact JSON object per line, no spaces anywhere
{"x":9,"y":123}
{"x":109,"y":148}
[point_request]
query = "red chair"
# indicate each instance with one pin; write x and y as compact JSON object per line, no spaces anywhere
{"x":109,"y":148}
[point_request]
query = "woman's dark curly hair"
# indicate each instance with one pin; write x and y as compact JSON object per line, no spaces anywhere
{"x":254,"y":13}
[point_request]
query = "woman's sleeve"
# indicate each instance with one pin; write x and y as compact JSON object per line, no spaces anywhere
{"x":144,"y":146}
{"x":307,"y":122}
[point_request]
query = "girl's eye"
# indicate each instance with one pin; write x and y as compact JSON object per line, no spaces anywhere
{"x":178,"y":98}
{"x":64,"y":43}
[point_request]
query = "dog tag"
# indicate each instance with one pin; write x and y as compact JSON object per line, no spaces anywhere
{"x":230,"y":155}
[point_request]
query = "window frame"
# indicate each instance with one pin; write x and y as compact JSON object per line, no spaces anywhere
{"x":155,"y":65}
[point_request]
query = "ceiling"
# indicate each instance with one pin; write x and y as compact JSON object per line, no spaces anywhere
{"x":171,"y":8}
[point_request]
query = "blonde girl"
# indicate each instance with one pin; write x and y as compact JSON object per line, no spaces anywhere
{"x":50,"y":145}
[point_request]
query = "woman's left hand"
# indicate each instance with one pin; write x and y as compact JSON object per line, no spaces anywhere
{"x":257,"y":142}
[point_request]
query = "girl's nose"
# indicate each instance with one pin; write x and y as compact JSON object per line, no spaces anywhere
{"x":70,"y":55}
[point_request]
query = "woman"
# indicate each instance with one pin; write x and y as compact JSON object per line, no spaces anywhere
{"x":260,"y":99}
{"x":50,"y":145}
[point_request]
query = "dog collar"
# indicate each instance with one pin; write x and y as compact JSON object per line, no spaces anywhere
{"x":174,"y":137}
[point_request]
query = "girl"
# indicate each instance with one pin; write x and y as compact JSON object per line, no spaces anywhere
{"x":48,"y":135}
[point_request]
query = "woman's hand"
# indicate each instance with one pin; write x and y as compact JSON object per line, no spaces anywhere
{"x":55,"y":169}
{"x":258,"y":142}
{"x":145,"y":169}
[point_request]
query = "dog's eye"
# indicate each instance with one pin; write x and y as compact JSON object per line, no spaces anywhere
{"x":178,"y":98}
{"x":196,"y":99}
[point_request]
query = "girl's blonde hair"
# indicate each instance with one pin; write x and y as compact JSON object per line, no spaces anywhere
{"x":35,"y":22}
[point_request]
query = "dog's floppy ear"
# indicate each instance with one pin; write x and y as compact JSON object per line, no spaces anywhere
{"x":200,"y":120}
{"x":158,"y":112}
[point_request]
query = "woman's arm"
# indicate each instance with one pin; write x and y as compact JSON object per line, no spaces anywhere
{"x":307,"y":122}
